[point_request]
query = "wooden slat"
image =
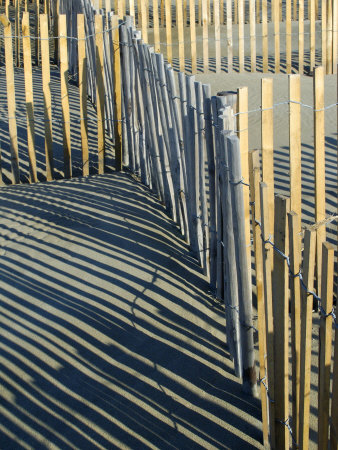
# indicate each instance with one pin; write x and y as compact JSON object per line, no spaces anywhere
{"x":252,"y":35}
{"x":325,"y":345}
{"x":295,"y":289}
{"x":306,"y":338}
{"x":312,"y":34}
{"x":193,"y":37}
{"x":295,"y":145}
{"x":13,"y":131}
{"x":281,"y":320}
{"x":267,"y":283}
{"x":27,"y":60}
{"x":265,"y":35}
{"x":157,"y":45}
{"x":100,"y":100}
{"x":56,"y":31}
{"x":217,"y":36}
{"x":243,"y":135}
{"x":205,"y":37}
{"x":229,"y":35}
{"x":144,"y":24}
{"x":277,"y":36}
{"x":47,"y":96}
{"x":37,"y":23}
{"x":241,"y":35}
{"x":258,"y":249}
{"x":319,"y":150}
{"x":334,"y":401}
{"x":301,"y":37}
{"x":267,"y":142}
{"x":168,"y":31}
{"x":82,"y":61}
{"x":329,"y":38}
{"x":288,"y":37}
{"x":334,"y":36}
{"x":180,"y":35}
{"x":117,"y":101}
{"x":17,"y":33}
{"x":67,"y":158}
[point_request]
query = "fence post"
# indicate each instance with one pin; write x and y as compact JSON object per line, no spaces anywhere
{"x":267,"y":144}
{"x":229,"y":35}
{"x":217,"y":36}
{"x":117,"y":100}
{"x":253,"y":35}
{"x":82,"y":61}
{"x":334,"y":401}
{"x":258,"y":249}
{"x":269,"y":325}
{"x":244,"y":285}
{"x":225,"y":233}
{"x":45,"y":63}
{"x":100,"y":103}
{"x":319,"y":156}
{"x":325,"y":345}
{"x":306,"y":337}
{"x":281,"y":320}
{"x":241,"y":35}
{"x":210,"y":150}
{"x":67,"y":159}
{"x":288,"y":29}
{"x":17,"y":33}
{"x":168,"y":30}
{"x":193,"y":36}
{"x":27,"y":60}
{"x":205,"y":38}
{"x":265,"y":35}
{"x":37,"y":34}
{"x":295,"y":257}
{"x":13,"y":131}
{"x":301,"y":37}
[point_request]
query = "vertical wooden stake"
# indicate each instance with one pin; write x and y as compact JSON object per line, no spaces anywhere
{"x":306,"y":337}
{"x":265,"y":35}
{"x":193,"y":37}
{"x":334,"y":401}
{"x":47,"y":96}
{"x":295,"y":258}
{"x":288,"y":37}
{"x":205,"y":37}
{"x":144,"y":21}
{"x":100,"y":100}
{"x":295,"y":146}
{"x":217,"y":36}
{"x":252,"y":35}
{"x":267,"y":282}
{"x":168,"y":31}
{"x":157,"y":45}
{"x":258,"y":248}
{"x":267,"y":143}
{"x":312,"y":34}
{"x":301,"y":37}
{"x":334,"y":36}
{"x":13,"y":131}
{"x":117,"y":94}
{"x":243,"y":135}
{"x":37,"y":23}
{"x":277,"y":37}
{"x":325,"y":346}
{"x":319,"y":150}
{"x":67,"y":158}
{"x":180,"y":35}
{"x":323,"y":29}
{"x":241,"y":35}
{"x":229,"y":35}
{"x":17,"y":33}
{"x":281,"y":320}
{"x":27,"y":60}
{"x":82,"y":61}
{"x":56,"y":31}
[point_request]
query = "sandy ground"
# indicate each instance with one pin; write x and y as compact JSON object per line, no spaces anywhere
{"x":110,"y":339}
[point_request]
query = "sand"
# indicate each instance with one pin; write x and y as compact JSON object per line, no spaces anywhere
{"x":110,"y":338}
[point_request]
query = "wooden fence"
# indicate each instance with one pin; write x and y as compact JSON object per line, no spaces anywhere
{"x":192,"y":151}
{"x":172,"y":135}
{"x":276,"y":35}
